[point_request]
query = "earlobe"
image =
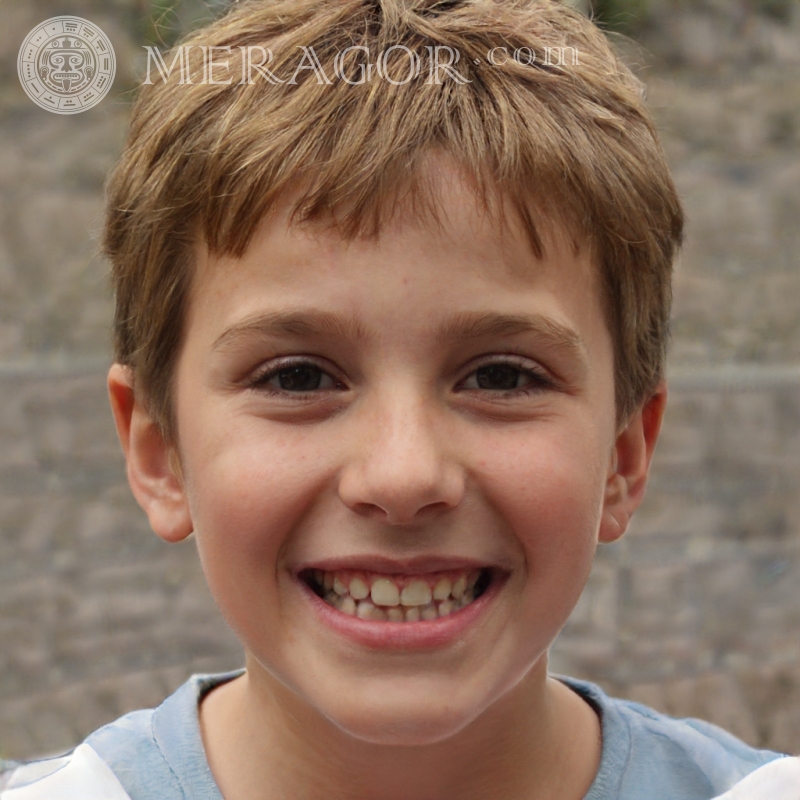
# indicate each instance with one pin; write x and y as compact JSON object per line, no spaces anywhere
{"x":153,"y":473}
{"x":630,"y":464}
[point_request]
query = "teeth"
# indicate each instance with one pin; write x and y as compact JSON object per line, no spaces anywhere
{"x":442,"y":589}
{"x":418,"y":600}
{"x":429,"y":613}
{"x":365,"y":610}
{"x":417,"y":593}
{"x":384,"y":592}
{"x":359,"y":591}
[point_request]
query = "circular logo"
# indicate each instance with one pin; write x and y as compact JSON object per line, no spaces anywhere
{"x":66,"y":65}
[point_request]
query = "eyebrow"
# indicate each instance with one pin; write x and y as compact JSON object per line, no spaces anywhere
{"x":482,"y":325}
{"x":466,"y":325}
{"x":291,"y":323}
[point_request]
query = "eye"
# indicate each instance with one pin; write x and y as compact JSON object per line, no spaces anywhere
{"x":506,"y":376}
{"x":295,"y":377}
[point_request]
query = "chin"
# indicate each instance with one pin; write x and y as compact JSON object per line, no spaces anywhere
{"x":403,"y":730}
{"x":411,"y":718}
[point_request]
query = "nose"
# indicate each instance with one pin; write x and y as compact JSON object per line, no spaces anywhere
{"x":401,"y":467}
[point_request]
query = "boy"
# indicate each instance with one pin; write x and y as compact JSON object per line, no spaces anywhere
{"x":392,"y":303}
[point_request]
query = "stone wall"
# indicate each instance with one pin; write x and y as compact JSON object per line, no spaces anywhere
{"x":695,"y":612}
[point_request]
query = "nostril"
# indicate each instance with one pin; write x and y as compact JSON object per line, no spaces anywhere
{"x":400,"y":513}
{"x":370,"y":511}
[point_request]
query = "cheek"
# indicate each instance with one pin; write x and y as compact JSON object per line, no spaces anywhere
{"x":247,"y":498}
{"x":549,"y":489}
{"x":248,"y":490}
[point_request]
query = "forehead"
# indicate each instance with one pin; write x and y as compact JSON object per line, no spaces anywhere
{"x":467,"y":272}
{"x":443,"y":205}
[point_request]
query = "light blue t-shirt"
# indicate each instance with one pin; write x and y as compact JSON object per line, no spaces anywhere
{"x":158,"y":754}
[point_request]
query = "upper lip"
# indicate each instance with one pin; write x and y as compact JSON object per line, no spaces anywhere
{"x":418,"y":565}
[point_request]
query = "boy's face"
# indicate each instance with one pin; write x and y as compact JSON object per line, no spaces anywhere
{"x":436,"y":404}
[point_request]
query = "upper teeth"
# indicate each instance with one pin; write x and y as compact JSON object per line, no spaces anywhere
{"x":383,"y":593}
{"x":397,"y":599}
{"x":417,"y":593}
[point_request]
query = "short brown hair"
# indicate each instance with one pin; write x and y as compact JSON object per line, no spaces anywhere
{"x":571,"y":140}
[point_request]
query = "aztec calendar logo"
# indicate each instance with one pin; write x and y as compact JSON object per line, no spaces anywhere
{"x":66,"y":65}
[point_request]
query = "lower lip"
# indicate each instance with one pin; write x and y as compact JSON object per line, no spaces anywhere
{"x":422,"y":635}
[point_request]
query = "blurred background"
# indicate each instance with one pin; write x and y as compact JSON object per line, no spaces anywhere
{"x":696,"y":612}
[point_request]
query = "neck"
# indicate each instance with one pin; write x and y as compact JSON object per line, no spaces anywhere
{"x":539,"y":740}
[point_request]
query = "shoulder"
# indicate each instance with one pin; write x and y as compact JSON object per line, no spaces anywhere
{"x":88,"y":771}
{"x":80,"y":773}
{"x":776,"y":780}
{"x":145,"y":754}
{"x":648,"y":754}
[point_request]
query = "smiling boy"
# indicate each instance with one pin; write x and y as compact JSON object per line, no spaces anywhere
{"x":393,"y":352}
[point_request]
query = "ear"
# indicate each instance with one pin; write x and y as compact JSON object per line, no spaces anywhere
{"x":630,"y":463}
{"x":153,"y":471}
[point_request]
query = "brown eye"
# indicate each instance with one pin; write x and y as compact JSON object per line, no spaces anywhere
{"x":299,"y":378}
{"x":294,"y":377}
{"x":507,"y":376}
{"x":501,"y":377}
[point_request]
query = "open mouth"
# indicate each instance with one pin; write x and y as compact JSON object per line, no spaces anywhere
{"x":398,"y":598}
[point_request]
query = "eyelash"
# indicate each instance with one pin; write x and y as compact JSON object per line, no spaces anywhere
{"x":538,"y":380}
{"x":260,"y":380}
